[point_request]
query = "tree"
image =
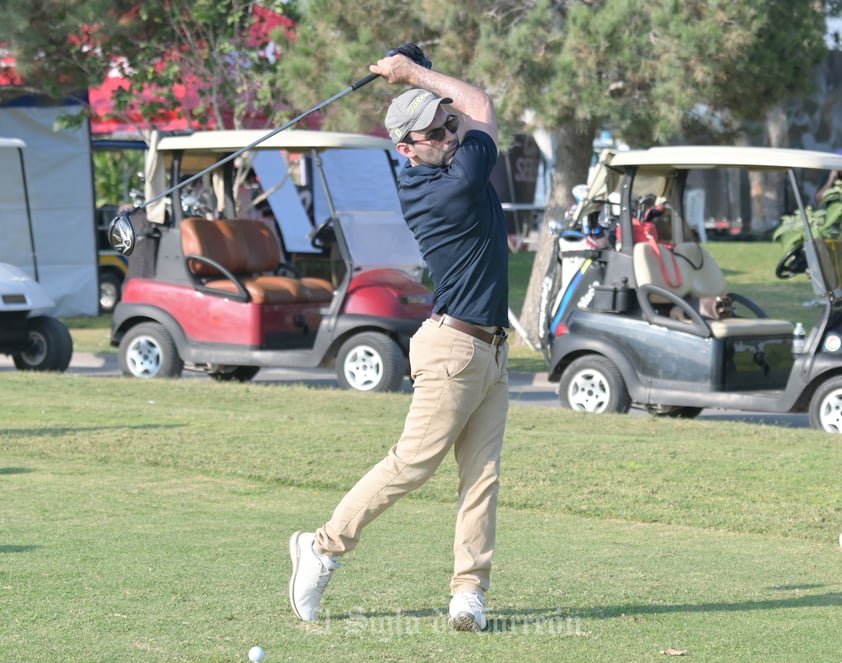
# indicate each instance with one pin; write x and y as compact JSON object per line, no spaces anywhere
{"x":206,"y":59}
{"x":652,"y":71}
{"x":220,"y":52}
{"x":55,"y":45}
{"x":334,"y":45}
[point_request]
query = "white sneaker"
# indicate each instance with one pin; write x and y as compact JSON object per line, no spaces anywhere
{"x":467,"y":612}
{"x":311,"y":573}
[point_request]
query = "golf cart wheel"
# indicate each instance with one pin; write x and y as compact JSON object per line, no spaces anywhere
{"x":593,"y":384}
{"x":49,"y":346}
{"x":109,"y":291}
{"x":371,"y":362}
{"x":148,"y":351}
{"x":235,"y":374}
{"x":826,"y":406}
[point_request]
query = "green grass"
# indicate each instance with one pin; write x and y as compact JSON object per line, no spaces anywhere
{"x":520,"y":269}
{"x":147,"y":521}
{"x":749,"y":269}
{"x":91,"y":333}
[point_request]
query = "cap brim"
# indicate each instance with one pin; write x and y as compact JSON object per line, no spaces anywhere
{"x":425,"y":119}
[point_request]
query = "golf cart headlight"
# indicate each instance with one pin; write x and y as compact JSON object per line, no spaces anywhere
{"x":418,"y":299}
{"x":832,"y":343}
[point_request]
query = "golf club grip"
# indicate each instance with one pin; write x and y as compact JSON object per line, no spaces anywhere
{"x":364,"y":81}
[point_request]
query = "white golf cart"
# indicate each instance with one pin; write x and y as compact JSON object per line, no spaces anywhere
{"x":35,"y":340}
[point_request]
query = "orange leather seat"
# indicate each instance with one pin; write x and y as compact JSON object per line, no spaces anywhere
{"x":250,"y":254}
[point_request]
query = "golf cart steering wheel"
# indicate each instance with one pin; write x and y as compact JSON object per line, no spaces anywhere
{"x":323,"y":235}
{"x":793,"y":263}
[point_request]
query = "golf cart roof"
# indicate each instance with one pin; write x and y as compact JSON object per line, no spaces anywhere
{"x":14,"y":143}
{"x":685,"y":157}
{"x":293,"y":140}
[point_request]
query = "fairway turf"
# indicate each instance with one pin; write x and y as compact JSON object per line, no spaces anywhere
{"x":148,"y":521}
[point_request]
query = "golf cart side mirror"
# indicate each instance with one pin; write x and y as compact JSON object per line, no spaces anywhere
{"x":121,"y":235}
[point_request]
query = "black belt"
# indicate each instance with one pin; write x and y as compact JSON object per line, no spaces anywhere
{"x":494,"y":338}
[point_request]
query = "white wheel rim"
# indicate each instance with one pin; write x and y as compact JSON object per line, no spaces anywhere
{"x":588,"y":391}
{"x":363,"y":368}
{"x":36,"y":351}
{"x":830,"y":412}
{"x":107,"y":295}
{"x":144,"y":357}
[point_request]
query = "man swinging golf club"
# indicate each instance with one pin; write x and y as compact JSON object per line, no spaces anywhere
{"x":447,"y":129}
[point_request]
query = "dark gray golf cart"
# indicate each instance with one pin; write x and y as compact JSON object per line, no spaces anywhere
{"x":636,"y":312}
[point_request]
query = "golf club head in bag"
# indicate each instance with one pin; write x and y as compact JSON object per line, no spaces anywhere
{"x":121,"y":234}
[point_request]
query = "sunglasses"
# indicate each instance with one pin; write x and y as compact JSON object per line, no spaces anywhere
{"x":436,"y":135}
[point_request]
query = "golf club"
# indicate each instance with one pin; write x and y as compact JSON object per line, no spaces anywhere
{"x":121,"y":234}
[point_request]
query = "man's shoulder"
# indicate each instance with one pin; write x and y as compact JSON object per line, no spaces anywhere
{"x":478,"y":142}
{"x":477,"y":134}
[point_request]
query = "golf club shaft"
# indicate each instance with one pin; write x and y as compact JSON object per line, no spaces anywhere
{"x":353,"y":86}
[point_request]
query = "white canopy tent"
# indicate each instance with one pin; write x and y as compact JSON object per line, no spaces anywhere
{"x":60,"y":247}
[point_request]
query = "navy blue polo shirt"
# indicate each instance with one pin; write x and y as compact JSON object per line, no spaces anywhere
{"x":455,"y":215}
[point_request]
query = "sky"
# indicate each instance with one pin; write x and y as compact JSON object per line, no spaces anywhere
{"x":834,"y":25}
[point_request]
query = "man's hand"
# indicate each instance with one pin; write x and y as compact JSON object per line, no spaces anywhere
{"x":396,"y":66}
{"x":414,"y":53}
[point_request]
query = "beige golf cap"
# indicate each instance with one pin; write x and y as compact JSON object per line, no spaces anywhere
{"x":414,"y":110}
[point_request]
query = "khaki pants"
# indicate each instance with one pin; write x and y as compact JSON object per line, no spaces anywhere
{"x":460,"y":401}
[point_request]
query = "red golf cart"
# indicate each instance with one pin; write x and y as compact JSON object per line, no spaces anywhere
{"x":294,"y":256}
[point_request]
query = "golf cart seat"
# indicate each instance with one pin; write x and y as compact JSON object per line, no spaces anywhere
{"x":671,"y":281}
{"x":656,"y":265}
{"x":239,"y":258}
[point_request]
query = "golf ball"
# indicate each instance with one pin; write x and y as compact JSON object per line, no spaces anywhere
{"x":256,"y":654}
{"x":840,"y":540}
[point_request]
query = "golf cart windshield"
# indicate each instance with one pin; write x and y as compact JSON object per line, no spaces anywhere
{"x":306,"y":178}
{"x":18,"y":246}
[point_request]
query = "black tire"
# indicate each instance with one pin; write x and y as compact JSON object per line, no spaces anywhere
{"x":371,"y":361}
{"x":148,"y":351}
{"x":826,"y":406}
{"x":235,"y":374}
{"x":593,"y":384}
{"x":49,"y":346}
{"x":110,"y":287}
